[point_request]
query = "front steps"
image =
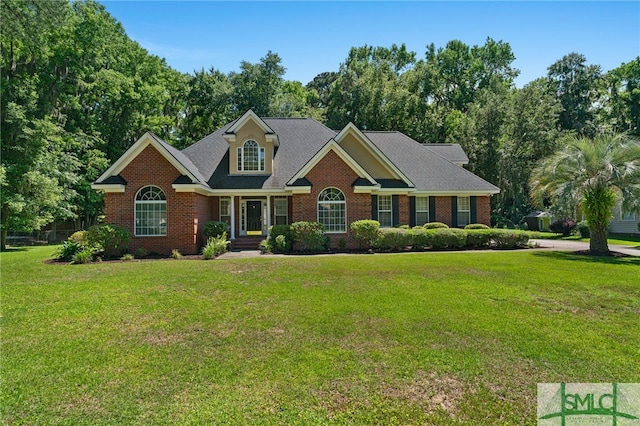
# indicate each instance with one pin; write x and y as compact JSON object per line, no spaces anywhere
{"x":246,"y":243}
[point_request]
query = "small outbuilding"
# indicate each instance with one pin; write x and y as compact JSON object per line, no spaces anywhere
{"x":538,"y":220}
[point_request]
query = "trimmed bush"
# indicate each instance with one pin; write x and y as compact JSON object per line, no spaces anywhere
{"x":366,"y":232}
{"x":394,"y":239}
{"x":443,"y":238}
{"x":420,"y":238}
{"x":214,"y":228}
{"x":215,"y":246}
{"x":309,"y":236}
{"x":509,"y":238}
{"x":563,"y":226}
{"x":435,"y":225}
{"x":113,"y":240}
{"x":476,"y":226}
{"x":284,"y":234}
{"x":479,"y":238}
{"x":583,"y":229}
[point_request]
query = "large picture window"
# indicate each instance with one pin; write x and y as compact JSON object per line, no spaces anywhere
{"x":422,"y":210}
{"x":150,"y":212}
{"x":464,"y":211}
{"x":332,"y":210}
{"x":385,"y":211}
{"x":250,"y":157}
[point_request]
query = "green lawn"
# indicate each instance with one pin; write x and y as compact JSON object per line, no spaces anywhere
{"x":435,"y":338}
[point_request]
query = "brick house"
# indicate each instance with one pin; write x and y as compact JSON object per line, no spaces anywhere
{"x":256,"y":172}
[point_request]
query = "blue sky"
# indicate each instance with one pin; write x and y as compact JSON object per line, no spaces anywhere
{"x":313,"y":37}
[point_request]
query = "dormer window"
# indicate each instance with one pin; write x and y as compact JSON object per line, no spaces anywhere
{"x":251,"y":157}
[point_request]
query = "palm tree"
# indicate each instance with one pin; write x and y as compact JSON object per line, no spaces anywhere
{"x":593,"y":172}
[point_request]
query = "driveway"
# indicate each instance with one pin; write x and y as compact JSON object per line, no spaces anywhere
{"x":578,"y":245}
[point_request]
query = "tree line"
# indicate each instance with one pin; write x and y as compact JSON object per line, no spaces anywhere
{"x":76,"y":92}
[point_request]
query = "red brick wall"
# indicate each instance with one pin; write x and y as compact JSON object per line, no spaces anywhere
{"x":331,"y":171}
{"x":403,"y":202}
{"x":483,"y":208}
{"x":443,"y":209}
{"x":187,"y":212}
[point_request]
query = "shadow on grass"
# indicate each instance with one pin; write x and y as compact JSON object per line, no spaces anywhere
{"x":14,"y":249}
{"x":567,"y":255}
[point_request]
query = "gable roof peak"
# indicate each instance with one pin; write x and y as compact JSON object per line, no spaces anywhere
{"x":250,"y":115}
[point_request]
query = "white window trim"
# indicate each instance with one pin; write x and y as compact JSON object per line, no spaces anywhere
{"x":422,"y":211}
{"x":343,"y":202}
{"x":467,"y":211}
{"x":137,"y":202}
{"x":285,"y":200}
{"x":390,"y":210}
{"x":261,"y":157}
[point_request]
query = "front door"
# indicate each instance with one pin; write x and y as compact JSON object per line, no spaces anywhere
{"x":254,"y":217}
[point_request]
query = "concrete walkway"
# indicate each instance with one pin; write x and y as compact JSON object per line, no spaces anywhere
{"x":559,"y":245}
{"x":563,"y":245}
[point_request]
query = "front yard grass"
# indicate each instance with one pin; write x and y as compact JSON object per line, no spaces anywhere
{"x":435,"y":338}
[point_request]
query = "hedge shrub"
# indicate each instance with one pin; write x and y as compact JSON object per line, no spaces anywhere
{"x":476,"y":226}
{"x":280,"y":238}
{"x":111,"y":239}
{"x":479,"y":238}
{"x":444,"y":238}
{"x":309,"y":236}
{"x":563,"y":226}
{"x":214,"y":228}
{"x":435,"y":225}
{"x":394,"y":239}
{"x":509,"y":238}
{"x":366,"y":232}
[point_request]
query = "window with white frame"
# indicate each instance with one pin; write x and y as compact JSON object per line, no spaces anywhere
{"x":250,"y":157}
{"x":385,"y":211}
{"x":225,"y":210}
{"x":332,"y":211}
{"x":464,"y":211}
{"x":150,"y":212}
{"x":422,"y":210}
{"x":281,"y":210}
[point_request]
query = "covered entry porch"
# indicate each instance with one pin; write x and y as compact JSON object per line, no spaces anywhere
{"x":251,"y":215}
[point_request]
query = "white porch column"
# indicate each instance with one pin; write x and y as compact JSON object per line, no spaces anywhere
{"x":268,"y":212}
{"x":233,"y":218}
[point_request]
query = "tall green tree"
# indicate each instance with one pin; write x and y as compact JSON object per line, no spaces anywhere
{"x":208,"y":105}
{"x":256,"y":85}
{"x":620,"y":100}
{"x":592,"y":173}
{"x":576,"y":86}
{"x":529,"y":133}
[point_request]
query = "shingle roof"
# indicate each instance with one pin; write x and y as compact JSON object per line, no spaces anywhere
{"x":427,"y":171}
{"x":451,"y":151}
{"x":181,"y":158}
{"x":429,"y":167}
{"x":300,"y":139}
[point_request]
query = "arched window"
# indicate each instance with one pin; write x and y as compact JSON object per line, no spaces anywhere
{"x":332,"y":210}
{"x":150,"y":212}
{"x":250,"y":157}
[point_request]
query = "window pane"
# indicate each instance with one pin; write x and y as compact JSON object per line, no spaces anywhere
{"x":150,"y":212}
{"x":385,"y":216}
{"x":332,"y":210}
{"x":422,"y":218}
